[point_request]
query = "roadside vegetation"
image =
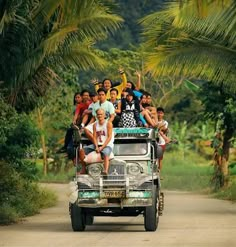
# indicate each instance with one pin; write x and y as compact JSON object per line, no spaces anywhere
{"x":193,"y":173}
{"x":196,"y":174}
{"x":21,"y":197}
{"x":20,"y":194}
{"x":63,"y":172}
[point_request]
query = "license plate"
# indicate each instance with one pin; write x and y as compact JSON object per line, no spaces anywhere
{"x":114,"y":194}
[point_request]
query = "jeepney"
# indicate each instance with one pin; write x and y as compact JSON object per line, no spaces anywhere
{"x":132,"y":186}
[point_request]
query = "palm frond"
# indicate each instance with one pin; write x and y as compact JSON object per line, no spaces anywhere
{"x":183,"y":43}
{"x":192,"y":57}
{"x":25,"y":96}
{"x":38,"y":36}
{"x":80,"y":55}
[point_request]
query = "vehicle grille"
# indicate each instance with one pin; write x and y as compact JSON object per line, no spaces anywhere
{"x":116,"y":169}
{"x":116,"y":175}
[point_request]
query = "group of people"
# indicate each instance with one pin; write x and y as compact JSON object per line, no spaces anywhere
{"x":121,"y":105}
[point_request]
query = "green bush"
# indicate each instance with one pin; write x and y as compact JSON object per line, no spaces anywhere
{"x":229,"y":192}
{"x":18,"y":134}
{"x":8,"y":214}
{"x":19,"y":196}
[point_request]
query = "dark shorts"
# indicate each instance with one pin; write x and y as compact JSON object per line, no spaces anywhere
{"x":90,"y":148}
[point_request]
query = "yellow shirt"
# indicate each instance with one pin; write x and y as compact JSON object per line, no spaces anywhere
{"x":119,"y":87}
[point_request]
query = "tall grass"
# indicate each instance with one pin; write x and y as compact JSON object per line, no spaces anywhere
{"x":228,"y":193}
{"x":191,"y":172}
{"x":60,"y":176}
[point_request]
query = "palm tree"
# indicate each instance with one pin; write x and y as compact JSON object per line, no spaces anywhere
{"x":196,"y":39}
{"x":40,"y":37}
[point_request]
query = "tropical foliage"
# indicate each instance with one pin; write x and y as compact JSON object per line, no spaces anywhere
{"x":20,"y":196}
{"x":39,"y":37}
{"x":194,"y":39}
{"x":18,"y":136}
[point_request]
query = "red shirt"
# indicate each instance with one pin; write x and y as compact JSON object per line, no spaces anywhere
{"x":81,"y":107}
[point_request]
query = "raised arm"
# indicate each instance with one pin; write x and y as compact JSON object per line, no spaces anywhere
{"x":138,"y":83}
{"x":123,"y":83}
{"x":123,"y":78}
{"x":95,"y":83}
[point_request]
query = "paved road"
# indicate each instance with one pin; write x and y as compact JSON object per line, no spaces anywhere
{"x":189,"y":220}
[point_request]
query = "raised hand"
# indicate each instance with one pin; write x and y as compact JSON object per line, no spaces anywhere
{"x":137,"y":73}
{"x":121,"y":70}
{"x":94,"y":81}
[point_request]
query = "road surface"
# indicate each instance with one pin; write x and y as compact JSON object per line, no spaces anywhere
{"x":189,"y":220}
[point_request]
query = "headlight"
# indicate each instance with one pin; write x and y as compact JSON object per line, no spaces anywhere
{"x":134,"y":168}
{"x":94,"y":170}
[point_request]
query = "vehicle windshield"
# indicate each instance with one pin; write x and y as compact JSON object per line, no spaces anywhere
{"x":130,"y":147}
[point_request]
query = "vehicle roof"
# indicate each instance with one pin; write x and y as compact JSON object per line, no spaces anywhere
{"x":131,"y":133}
{"x":134,"y":133}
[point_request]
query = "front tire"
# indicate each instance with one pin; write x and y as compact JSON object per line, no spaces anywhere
{"x":89,"y":219}
{"x":151,"y":217}
{"x":77,"y":218}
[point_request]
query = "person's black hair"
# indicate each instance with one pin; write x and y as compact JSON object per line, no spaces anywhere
{"x":77,"y":93}
{"x":107,"y":79}
{"x":141,"y":97}
{"x":84,"y":91}
{"x":148,"y":94}
{"x":160,"y":109}
{"x":114,"y":89}
{"x":102,"y":89}
{"x":130,"y":91}
{"x":132,"y":85}
{"x":93,"y":93}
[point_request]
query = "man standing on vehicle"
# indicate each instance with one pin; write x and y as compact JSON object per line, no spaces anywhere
{"x":163,"y":139}
{"x":103,"y":139}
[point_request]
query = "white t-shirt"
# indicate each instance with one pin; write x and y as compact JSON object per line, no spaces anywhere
{"x":163,"y":123}
{"x":102,"y":134}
